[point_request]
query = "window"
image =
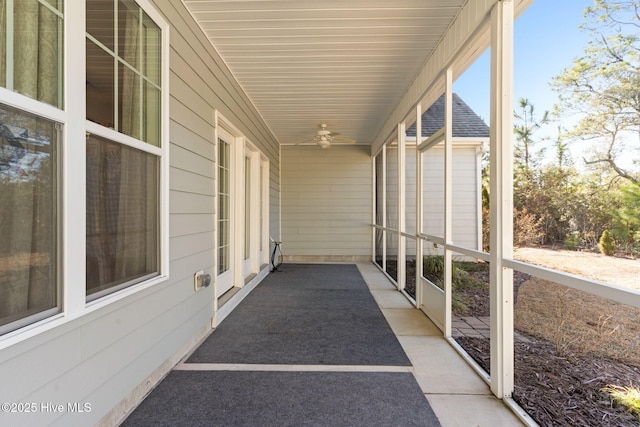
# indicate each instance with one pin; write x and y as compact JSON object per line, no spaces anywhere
{"x":123,"y":69}
{"x":122,"y":216}
{"x":31,"y":49}
{"x":28,"y":216}
{"x":247,"y":207}
{"x":123,"y":167}
{"x":31,"y":67}
{"x":224,"y":206}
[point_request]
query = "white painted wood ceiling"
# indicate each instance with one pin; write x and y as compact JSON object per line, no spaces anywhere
{"x":341,"y":62}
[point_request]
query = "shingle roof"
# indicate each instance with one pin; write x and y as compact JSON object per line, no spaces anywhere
{"x":466,"y":123}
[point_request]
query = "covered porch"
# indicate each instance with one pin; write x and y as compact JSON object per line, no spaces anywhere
{"x":261,"y":121}
{"x":343,"y":347}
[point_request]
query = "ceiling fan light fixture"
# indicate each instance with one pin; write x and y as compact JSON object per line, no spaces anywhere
{"x":324,"y":143}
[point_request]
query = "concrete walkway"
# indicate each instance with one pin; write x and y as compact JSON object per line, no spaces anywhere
{"x":205,"y":392}
{"x":457,"y":395}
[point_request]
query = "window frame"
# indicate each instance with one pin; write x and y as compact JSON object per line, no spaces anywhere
{"x":29,"y":106}
{"x":71,"y":175}
{"x":161,"y":152}
{"x":56,"y":114}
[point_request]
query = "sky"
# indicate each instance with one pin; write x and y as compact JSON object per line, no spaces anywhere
{"x":547,"y":39}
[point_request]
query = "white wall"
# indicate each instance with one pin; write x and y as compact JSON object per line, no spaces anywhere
{"x":466,"y":194}
{"x":101,"y":356}
{"x":326,"y":202}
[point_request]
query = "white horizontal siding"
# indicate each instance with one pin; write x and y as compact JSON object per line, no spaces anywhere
{"x":326,"y":201}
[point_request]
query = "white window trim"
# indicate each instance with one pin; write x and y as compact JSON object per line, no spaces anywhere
{"x":72,"y":174}
{"x":162,"y":152}
{"x":242,"y":147}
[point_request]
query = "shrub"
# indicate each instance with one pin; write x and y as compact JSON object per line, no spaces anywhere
{"x":527,"y":230}
{"x":573,"y":241}
{"x":606,"y":245}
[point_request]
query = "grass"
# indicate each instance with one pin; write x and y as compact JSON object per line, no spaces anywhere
{"x":578,"y":322}
{"x":628,"y":396}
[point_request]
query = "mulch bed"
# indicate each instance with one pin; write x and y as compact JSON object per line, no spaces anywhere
{"x":562,"y":390}
{"x":555,"y":390}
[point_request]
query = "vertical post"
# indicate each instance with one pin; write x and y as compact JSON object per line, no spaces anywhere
{"x":374,"y":207}
{"x":74,"y":154}
{"x":239,"y":211}
{"x":419,"y":204}
{"x":448,"y":196}
{"x":384,"y":207}
{"x":402,"y":247}
{"x":9,"y":40}
{"x":501,"y":294}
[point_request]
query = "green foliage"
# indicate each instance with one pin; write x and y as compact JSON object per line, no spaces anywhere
{"x":573,"y":241}
{"x":524,"y":130}
{"x":433,"y":269}
{"x":601,"y":87}
{"x":557,"y":204}
{"x":461,"y":279}
{"x":628,"y":396}
{"x":607,"y":245}
{"x":626,"y":224}
{"x":434,"y":264}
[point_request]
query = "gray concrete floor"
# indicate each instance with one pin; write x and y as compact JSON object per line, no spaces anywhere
{"x":457,"y":394}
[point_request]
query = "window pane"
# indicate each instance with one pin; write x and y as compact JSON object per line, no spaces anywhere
{"x":100,"y":21}
{"x":262,"y":208}
{"x":122,"y":216}
{"x":133,"y":42}
{"x":36,"y":67}
{"x":151,"y":44}
{"x":247,"y":208}
{"x":224,"y":207}
{"x":100,"y":85}
{"x":151,"y":124}
{"x":128,"y":32}
{"x":28,"y":212}
{"x":128,"y":102}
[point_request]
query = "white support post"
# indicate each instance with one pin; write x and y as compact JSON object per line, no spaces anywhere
{"x":374,"y":207}
{"x":501,"y":294}
{"x":448,"y":196}
{"x":384,"y":208}
{"x":402,"y":211}
{"x":238,"y":189}
{"x":419,"y":204}
{"x":73,"y":161}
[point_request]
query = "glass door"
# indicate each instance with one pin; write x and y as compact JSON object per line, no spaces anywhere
{"x":225,"y":213}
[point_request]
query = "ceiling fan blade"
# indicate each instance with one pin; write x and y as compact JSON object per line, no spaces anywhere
{"x":341,"y":140}
{"x":332,"y":134}
{"x":308,"y":141}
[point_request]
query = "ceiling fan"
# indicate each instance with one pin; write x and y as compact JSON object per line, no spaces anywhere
{"x":324,"y":138}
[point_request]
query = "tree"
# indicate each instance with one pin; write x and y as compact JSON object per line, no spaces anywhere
{"x":562,"y":151}
{"x":607,"y":245}
{"x":603,"y":86}
{"x":524,"y":131}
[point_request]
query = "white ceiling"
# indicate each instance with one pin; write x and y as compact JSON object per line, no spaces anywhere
{"x":346,"y":63}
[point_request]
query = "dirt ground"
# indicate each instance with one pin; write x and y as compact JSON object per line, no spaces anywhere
{"x":624,"y":272}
